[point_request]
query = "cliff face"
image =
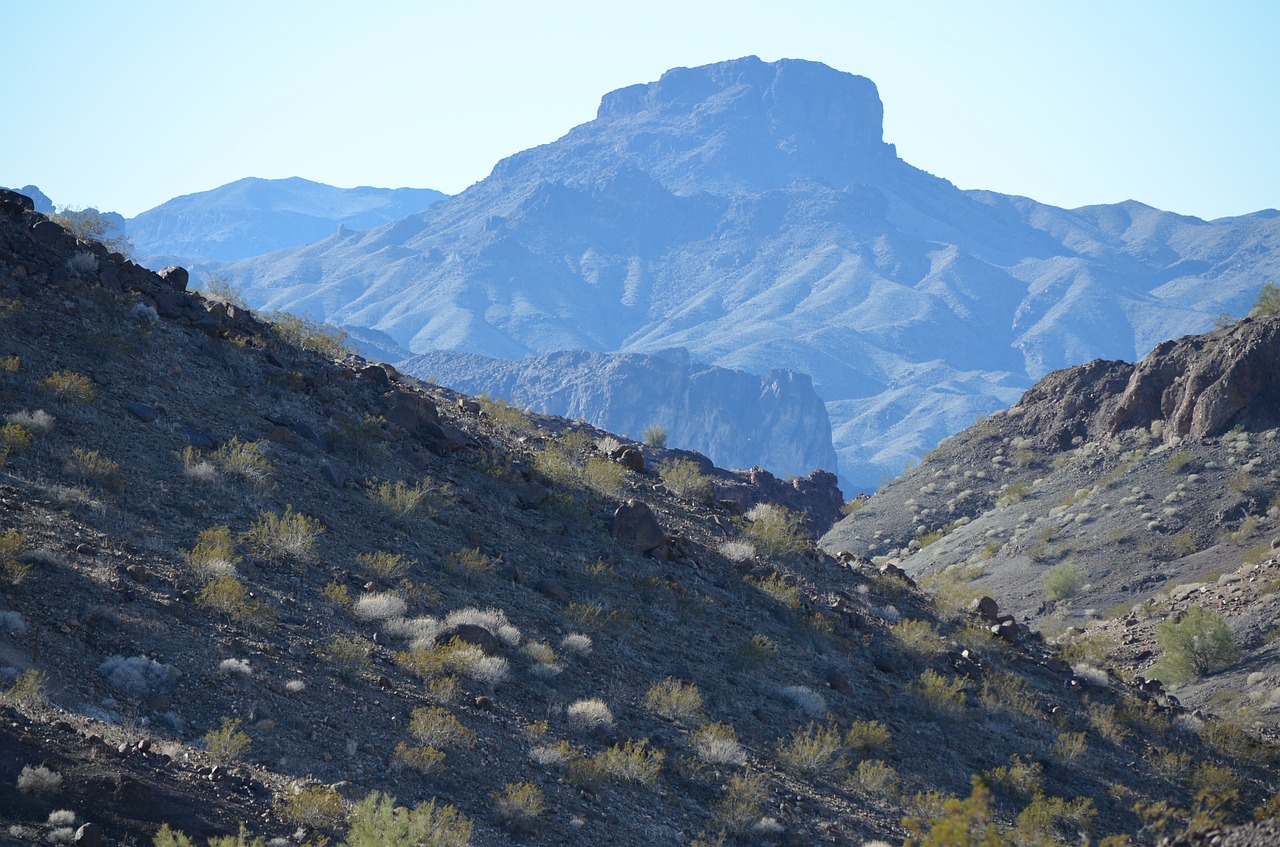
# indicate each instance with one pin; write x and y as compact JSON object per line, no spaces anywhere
{"x":739,"y":420}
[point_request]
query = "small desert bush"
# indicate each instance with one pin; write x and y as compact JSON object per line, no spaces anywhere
{"x":322,"y":338}
{"x":27,"y":690}
{"x":675,"y":700}
{"x":1019,"y":778}
{"x":379,"y":606}
{"x":245,"y":460}
{"x":312,"y":806}
{"x":1194,"y":645}
{"x":287,"y":537}
{"x":591,"y":715}
{"x":92,"y":467}
{"x":1062,"y":582}
{"x":12,"y":545}
{"x":227,"y":742}
{"x":71,"y":386}
{"x":805,"y":699}
{"x":938,"y":695}
{"x":1011,"y":693}
{"x":756,"y":649}
{"x":349,"y":657}
{"x":384,"y":568}
{"x":1179,"y":460}
{"x":576,"y":644}
{"x":777,"y":587}
{"x":918,"y":637}
{"x":717,"y":744}
{"x":1070,"y":746}
{"x":228,"y":595}
{"x":504,"y":416}
{"x":685,"y":479}
{"x":553,"y":755}
{"x":876,"y":777}
{"x":137,"y":675}
{"x":865,"y":737}
{"x":518,"y":804}
{"x":630,"y":761}
{"x":774,"y":530}
{"x":655,"y":436}
{"x":39,"y":781}
{"x":744,"y":796}
{"x":379,"y":821}
{"x":403,"y":500}
{"x":471,"y":561}
{"x":12,"y":364}
{"x":358,"y":440}
{"x":436,"y":726}
{"x":39,"y":421}
{"x":813,"y":750}
{"x":13,"y":437}
{"x":493,"y":620}
{"x":605,"y":476}
{"x":214,"y":553}
{"x":1105,"y":720}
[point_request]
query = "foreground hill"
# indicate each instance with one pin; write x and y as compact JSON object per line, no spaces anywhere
{"x":752,"y":213}
{"x":253,"y":216}
{"x":249,"y":579}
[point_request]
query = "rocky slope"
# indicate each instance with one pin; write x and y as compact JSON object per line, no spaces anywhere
{"x":252,"y":216}
{"x":752,"y":213}
{"x":1152,"y":485}
{"x":737,"y":419}
{"x":247,"y":582}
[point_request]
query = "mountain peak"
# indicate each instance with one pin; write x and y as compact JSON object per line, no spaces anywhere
{"x":750,"y":124}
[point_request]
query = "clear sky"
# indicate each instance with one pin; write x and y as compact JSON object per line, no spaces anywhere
{"x":123,"y":105}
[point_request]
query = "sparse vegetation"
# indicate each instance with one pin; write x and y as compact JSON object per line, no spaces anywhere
{"x":12,"y":545}
{"x":286,"y":537}
{"x":378,"y":821}
{"x":228,"y":742}
{"x":1267,"y":303}
{"x":1062,"y":582}
{"x":774,"y":530}
{"x":815,"y":749}
{"x":322,"y":338}
{"x":71,"y":386}
{"x":938,"y":695}
{"x":518,"y":804}
{"x":675,"y":700}
{"x":1196,"y":644}
{"x":655,"y":436}
{"x":685,"y":479}
{"x":404,"y":500}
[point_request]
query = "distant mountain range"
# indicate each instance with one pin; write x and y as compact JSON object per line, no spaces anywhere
{"x":752,"y":213}
{"x":253,"y":216}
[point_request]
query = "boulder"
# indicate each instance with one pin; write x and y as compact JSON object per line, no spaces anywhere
{"x":635,"y":522}
{"x":629,"y":457}
{"x":468,"y":633}
{"x":175,"y":277}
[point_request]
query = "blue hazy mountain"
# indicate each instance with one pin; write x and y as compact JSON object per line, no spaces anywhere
{"x":753,"y":214}
{"x":252,"y":216}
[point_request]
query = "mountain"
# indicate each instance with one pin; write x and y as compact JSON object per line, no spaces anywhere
{"x":752,"y":213}
{"x":251,"y":583}
{"x":252,"y":216}
{"x":737,"y":419}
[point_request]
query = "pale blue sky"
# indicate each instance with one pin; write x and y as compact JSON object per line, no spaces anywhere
{"x":125,"y":104}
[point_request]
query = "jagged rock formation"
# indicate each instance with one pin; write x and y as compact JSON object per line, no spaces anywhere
{"x":253,"y":216}
{"x":737,"y":419}
{"x":752,"y":213}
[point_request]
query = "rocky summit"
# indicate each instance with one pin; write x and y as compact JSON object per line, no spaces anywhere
{"x":256,"y":589}
{"x":752,"y":213}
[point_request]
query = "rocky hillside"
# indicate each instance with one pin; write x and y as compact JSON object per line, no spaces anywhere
{"x":248,"y":580}
{"x":753,"y":214}
{"x":737,"y":419}
{"x":250,"y":217}
{"x":1113,"y":494}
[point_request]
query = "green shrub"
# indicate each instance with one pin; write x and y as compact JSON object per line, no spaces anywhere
{"x":322,"y":338}
{"x":241,"y":839}
{"x":1179,"y":460}
{"x":777,"y":587}
{"x":27,"y":690}
{"x":403,"y":500}
{"x":518,"y":804}
{"x":675,"y":700}
{"x":290,"y":536}
{"x":938,"y":695}
{"x":378,"y":821}
{"x":504,"y":416}
{"x":92,"y":467}
{"x":92,"y":225}
{"x":1196,"y":644}
{"x":244,"y":459}
{"x":864,"y":737}
{"x":630,"y":761}
{"x":774,"y":530}
{"x":1071,"y":746}
{"x":227,"y":595}
{"x":214,"y":553}
{"x":655,"y":436}
{"x":1062,"y":582}
{"x":919,"y":638}
{"x":169,"y":837}
{"x":12,"y":545}
{"x":227,"y":742}
{"x":740,"y":807}
{"x":72,"y":386}
{"x":313,"y":807}
{"x":348,"y":656}
{"x":813,"y":750}
{"x":1267,"y":303}
{"x":685,"y":480}
{"x":471,"y":561}
{"x":605,"y":476}
{"x":384,"y":568}
{"x":876,"y":777}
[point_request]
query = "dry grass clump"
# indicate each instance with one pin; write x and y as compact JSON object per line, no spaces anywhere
{"x":71,"y":386}
{"x":517,"y":805}
{"x":576,"y":644}
{"x":403,"y":500}
{"x":228,"y":595}
{"x":493,"y":620}
{"x":813,"y":750}
{"x":12,"y":545}
{"x":590,"y":715}
{"x":805,"y":699}
{"x":379,"y":606}
{"x":39,"y":781}
{"x":675,"y":700}
{"x":287,"y":537}
{"x":245,"y":460}
{"x":384,"y":568}
{"x":630,"y":761}
{"x":717,"y":744}
{"x":938,"y":695}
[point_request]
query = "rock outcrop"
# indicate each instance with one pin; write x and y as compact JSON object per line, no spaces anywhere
{"x":737,"y":419}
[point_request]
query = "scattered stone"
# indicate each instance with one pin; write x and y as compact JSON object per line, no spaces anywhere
{"x":141,"y":411}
